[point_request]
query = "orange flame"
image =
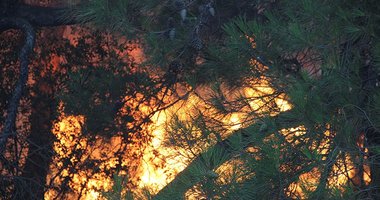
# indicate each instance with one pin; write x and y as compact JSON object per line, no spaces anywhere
{"x":161,"y":162}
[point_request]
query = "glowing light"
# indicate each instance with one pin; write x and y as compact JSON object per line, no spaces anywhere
{"x":343,"y":168}
{"x":160,"y":162}
{"x":68,"y":133}
{"x":234,"y":120}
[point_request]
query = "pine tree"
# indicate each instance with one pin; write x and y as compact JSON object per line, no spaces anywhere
{"x":320,"y":56}
{"x":324,"y":60}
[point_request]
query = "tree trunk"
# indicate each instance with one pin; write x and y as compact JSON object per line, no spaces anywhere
{"x":31,"y":184}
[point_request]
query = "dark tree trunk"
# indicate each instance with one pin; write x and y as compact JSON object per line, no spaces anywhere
{"x":31,"y":184}
{"x":370,"y":79}
{"x":373,"y":139}
{"x":13,"y":14}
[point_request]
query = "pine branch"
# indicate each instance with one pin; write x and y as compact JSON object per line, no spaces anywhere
{"x":225,"y":150}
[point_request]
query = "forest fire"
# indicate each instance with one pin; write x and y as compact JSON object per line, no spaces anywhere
{"x":161,"y":160}
{"x":160,"y":163}
{"x":189,"y":99}
{"x":343,"y":168}
{"x":68,"y":131}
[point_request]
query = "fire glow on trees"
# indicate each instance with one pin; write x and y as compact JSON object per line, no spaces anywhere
{"x":160,"y":163}
{"x":162,"y":160}
{"x":197,"y":119}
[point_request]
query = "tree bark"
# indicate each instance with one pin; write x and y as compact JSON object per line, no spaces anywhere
{"x":27,"y":48}
{"x":24,"y":17}
{"x":31,"y":184}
